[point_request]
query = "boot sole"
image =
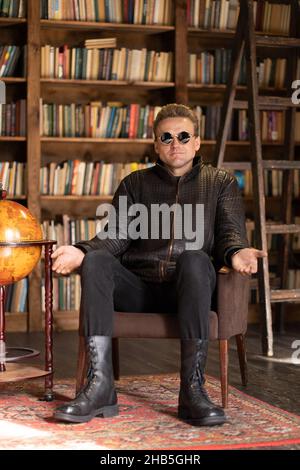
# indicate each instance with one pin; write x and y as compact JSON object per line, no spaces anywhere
{"x":104,"y":412}
{"x":207,"y":421}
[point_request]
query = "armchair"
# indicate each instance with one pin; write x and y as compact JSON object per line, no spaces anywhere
{"x":227,"y":318}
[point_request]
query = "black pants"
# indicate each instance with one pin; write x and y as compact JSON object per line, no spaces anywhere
{"x":108,"y":286}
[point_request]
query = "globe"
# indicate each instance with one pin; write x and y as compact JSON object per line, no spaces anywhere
{"x":17,"y":224}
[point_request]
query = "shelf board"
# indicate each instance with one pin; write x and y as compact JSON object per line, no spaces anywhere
{"x":246,"y":142}
{"x":104,"y":83}
{"x":46,"y":198}
{"x":12,"y":139}
{"x":16,"y":322}
{"x":66,"y":320}
{"x":16,"y":197}
{"x":85,"y":140}
{"x":12,"y":21}
{"x":9,"y":80}
{"x":220,"y":87}
{"x":211,"y":33}
{"x":262,"y":37}
{"x":96,"y":25}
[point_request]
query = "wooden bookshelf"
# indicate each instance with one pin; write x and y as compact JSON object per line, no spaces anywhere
{"x":179,"y":39}
{"x":100,"y":26}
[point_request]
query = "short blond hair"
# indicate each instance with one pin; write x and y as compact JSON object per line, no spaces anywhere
{"x":174,"y":110}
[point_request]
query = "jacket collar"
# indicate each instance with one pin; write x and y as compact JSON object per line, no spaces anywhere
{"x":164,"y":173}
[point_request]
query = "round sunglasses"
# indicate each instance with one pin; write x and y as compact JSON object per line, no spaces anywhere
{"x":183,"y":137}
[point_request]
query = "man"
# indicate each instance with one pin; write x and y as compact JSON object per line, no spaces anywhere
{"x":125,"y":271}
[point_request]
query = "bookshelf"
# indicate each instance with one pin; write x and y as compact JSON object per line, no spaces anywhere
{"x":37,"y":150}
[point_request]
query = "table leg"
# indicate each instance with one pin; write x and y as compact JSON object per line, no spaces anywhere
{"x":48,"y":324}
{"x":2,"y":329}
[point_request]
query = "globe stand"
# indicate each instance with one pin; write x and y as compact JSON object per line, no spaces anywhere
{"x":9,"y":371}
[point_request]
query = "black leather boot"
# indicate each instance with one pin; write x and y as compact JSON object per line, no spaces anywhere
{"x":195,"y":406}
{"x":98,"y":397}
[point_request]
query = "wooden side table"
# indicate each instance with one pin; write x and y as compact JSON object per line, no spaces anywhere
{"x":10,"y":370}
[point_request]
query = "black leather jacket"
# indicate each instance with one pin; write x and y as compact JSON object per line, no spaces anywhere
{"x":154,"y":260}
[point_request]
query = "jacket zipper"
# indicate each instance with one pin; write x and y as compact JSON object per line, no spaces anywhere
{"x":170,"y":248}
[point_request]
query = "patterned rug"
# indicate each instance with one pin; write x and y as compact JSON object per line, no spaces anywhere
{"x":147,"y":419}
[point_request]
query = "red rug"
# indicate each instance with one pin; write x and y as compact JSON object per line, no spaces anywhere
{"x":147,"y":420}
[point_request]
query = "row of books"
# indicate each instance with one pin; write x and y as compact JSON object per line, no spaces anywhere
{"x":112,"y":11}
{"x":16,"y":297}
{"x":223,"y":15}
{"x":213,"y":68}
{"x":114,"y":120}
{"x":272,"y":182}
{"x":66,"y":292}
{"x":106,"y":64}
{"x":69,"y":231}
{"x":13,"y":178}
{"x":293,"y":279}
{"x":76,"y":177}
{"x":13,"y":8}
{"x":9,"y":56}
{"x":13,"y":119}
{"x":111,"y":120}
{"x":271,"y":72}
{"x":206,"y":14}
{"x":272,"y":124}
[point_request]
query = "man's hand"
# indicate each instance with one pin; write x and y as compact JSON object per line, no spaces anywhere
{"x":67,"y":259}
{"x":245,"y":261}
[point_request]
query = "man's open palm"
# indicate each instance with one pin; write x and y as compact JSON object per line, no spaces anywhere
{"x":245,"y":261}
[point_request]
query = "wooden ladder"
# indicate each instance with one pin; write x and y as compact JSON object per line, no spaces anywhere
{"x":246,"y":40}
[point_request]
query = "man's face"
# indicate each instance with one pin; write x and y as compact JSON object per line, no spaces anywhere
{"x":177,"y":156}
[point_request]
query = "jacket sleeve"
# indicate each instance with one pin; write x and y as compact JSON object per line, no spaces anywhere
{"x":116,"y":239}
{"x":230,"y":226}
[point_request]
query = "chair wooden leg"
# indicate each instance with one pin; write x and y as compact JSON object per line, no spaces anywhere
{"x":241,"y":349}
{"x":81,"y":364}
{"x":115,"y":358}
{"x":223,"y":351}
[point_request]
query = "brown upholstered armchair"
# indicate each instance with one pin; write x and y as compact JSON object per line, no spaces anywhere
{"x":228,"y":318}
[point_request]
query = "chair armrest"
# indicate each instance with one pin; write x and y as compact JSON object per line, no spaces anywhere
{"x":232,"y":303}
{"x":224,"y":270}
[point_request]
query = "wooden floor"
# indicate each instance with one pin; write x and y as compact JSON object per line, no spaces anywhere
{"x":273,"y":382}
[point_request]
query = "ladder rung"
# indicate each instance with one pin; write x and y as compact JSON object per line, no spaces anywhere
{"x":285,"y":295}
{"x":237,"y":165}
{"x":281,"y":164}
{"x":282,"y":228}
{"x":267,"y":102}
{"x":277,"y":41}
{"x":268,"y":164}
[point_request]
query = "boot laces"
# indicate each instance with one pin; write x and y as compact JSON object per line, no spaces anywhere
{"x":197,"y":379}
